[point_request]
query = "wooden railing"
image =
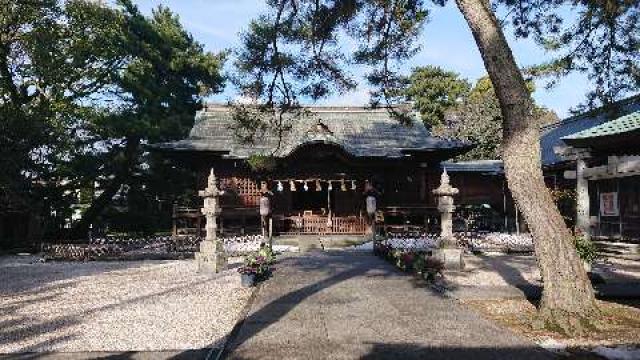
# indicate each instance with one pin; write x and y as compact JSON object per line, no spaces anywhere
{"x":320,"y":225}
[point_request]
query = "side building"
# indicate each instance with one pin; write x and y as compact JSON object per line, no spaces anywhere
{"x":598,"y":154}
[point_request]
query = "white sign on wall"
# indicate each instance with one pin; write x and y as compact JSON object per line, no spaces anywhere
{"x":609,"y":204}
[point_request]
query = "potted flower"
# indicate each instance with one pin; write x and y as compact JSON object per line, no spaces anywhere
{"x":406,"y":260}
{"x":267,"y":253}
{"x":256,"y":268}
{"x":261,"y":264}
{"x":433,"y":267}
{"x":247,"y":275}
{"x":419,"y":265}
{"x":395,"y":257}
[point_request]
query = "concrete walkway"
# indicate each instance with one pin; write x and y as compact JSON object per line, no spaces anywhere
{"x":351,"y":305}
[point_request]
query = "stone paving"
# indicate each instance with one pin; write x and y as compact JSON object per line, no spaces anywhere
{"x":352,"y":305}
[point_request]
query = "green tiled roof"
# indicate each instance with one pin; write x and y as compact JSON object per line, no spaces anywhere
{"x":625,"y":124}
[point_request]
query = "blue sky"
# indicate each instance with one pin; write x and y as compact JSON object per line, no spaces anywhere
{"x":446,"y":41}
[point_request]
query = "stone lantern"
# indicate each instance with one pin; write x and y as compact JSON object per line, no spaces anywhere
{"x":371,"y":207}
{"x":449,"y":252}
{"x":265,"y":213}
{"x":211,"y":258}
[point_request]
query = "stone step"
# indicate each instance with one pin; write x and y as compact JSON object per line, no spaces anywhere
{"x":618,"y":249}
{"x":628,"y":257}
{"x":617,"y":244}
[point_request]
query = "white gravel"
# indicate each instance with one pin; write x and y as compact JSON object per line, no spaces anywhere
{"x":496,"y":270}
{"x":115,"y":306}
{"x":493,"y":269}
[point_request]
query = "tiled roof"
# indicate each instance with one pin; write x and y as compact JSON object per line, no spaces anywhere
{"x":620,"y":125}
{"x":551,"y":135}
{"x":358,"y":131}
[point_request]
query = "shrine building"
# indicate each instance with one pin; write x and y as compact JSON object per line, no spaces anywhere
{"x":324,"y":166}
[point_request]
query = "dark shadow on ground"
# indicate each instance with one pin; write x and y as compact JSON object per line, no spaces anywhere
{"x":198,"y":354}
{"x":408,"y":351}
{"x":380,"y":351}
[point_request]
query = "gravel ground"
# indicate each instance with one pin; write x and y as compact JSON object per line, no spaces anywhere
{"x":513,"y":270}
{"x":616,"y":336}
{"x":496,"y":270}
{"x":115,"y":306}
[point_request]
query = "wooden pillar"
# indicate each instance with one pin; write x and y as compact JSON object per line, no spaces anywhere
{"x":174,"y":225}
{"x":504,"y":206}
{"x":423,"y":185}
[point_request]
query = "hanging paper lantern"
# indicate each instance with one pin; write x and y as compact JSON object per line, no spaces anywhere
{"x":279,"y":186}
{"x":306,"y":186}
{"x":371,"y":205}
{"x":343,"y":185}
{"x":265,"y":206}
{"x":318,"y":186}
{"x":292,"y":185}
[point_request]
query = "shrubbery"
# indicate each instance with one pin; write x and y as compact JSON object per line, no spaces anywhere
{"x":259,"y":263}
{"x":417,"y":262}
{"x":586,"y":249}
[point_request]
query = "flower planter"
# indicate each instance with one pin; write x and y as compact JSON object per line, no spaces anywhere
{"x":247,"y":280}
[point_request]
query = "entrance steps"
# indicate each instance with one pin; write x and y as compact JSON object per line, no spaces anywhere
{"x":624,"y":250}
{"x":317,"y":242}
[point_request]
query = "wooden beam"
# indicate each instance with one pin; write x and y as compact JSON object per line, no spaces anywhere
{"x":616,"y":167}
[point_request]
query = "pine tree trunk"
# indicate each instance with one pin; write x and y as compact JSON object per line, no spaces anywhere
{"x":80,"y":230}
{"x":568,"y":297}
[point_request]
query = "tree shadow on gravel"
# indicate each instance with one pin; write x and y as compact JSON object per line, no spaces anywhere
{"x":31,"y":278}
{"x":508,"y":267}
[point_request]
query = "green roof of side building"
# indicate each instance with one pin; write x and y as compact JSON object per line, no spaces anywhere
{"x":625,"y":124}
{"x":619,"y":135}
{"x":553,"y":134}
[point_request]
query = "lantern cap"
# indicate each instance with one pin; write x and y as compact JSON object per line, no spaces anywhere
{"x":445,"y":188}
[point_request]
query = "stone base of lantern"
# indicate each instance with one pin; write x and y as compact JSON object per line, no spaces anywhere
{"x":211,"y":259}
{"x":450,"y":257}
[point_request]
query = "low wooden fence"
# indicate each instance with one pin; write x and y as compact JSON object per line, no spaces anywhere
{"x":141,"y":248}
{"x":320,"y":225}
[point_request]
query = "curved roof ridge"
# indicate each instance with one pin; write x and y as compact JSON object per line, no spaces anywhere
{"x":222,"y":107}
{"x":361,"y":133}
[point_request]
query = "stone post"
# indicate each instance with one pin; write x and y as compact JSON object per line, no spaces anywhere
{"x":579,"y":155}
{"x":449,"y":252}
{"x":583,"y":221}
{"x":211,"y":258}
